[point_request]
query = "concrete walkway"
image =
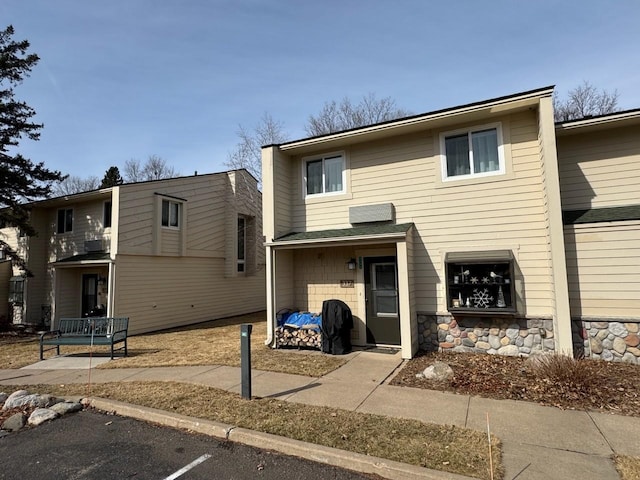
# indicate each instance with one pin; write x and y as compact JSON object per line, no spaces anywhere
{"x":538,"y":442}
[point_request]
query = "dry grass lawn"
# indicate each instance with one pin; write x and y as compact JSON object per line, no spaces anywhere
{"x":211,"y":343}
{"x":628,"y":467}
{"x":445,"y":448}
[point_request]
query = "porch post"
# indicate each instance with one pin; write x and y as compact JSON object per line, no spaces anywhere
{"x":270,"y":259}
{"x":404,"y":304}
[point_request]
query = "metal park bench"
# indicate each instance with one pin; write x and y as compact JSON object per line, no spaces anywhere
{"x":87,"y":331}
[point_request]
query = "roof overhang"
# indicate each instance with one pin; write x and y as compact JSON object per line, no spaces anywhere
{"x":94,"y":258}
{"x":601,"y":122}
{"x":102,"y":194}
{"x":436,"y":119}
{"x":370,"y":234}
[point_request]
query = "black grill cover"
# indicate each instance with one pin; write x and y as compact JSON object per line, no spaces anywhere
{"x":337,"y":323}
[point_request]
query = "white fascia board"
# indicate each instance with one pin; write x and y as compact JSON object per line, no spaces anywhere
{"x":358,"y":239}
{"x":495,"y":106}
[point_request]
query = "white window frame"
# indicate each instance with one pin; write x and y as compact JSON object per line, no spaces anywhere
{"x":470,"y":130}
{"x":179,"y":214}
{"x":323,"y":158}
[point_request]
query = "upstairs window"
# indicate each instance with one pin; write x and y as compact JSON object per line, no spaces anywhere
{"x":170,"y":214}
{"x":106,"y":217}
{"x":324,"y":175}
{"x":242,"y":244}
{"x":472,"y":153}
{"x":65,"y":220}
{"x":16,"y":290}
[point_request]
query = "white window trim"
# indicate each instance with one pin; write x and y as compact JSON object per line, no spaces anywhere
{"x":180,"y":214}
{"x":443,"y":152}
{"x":322,"y":157}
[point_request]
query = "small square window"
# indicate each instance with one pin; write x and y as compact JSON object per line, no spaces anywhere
{"x":472,"y":153}
{"x":170,"y":214}
{"x":324,"y":175}
{"x":65,"y":220}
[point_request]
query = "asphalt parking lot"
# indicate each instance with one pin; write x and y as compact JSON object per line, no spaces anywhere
{"x":92,"y":445}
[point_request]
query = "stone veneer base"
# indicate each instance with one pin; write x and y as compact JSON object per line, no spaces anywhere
{"x":605,"y":339}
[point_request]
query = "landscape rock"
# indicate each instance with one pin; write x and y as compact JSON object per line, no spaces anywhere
{"x":62,"y":408}
{"x":14,"y":422}
{"x":41,"y":415}
{"x":23,"y":398}
{"x":3,"y":433}
{"x":3,"y":396}
{"x":439,"y":371}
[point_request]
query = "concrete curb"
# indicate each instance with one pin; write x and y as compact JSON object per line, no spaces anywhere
{"x":330,"y":456}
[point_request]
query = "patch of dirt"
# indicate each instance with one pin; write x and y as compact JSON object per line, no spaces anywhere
{"x":586,"y":385}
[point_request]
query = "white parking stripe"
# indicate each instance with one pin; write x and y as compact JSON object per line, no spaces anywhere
{"x":184,"y":470}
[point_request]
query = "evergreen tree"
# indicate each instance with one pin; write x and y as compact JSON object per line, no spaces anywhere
{"x":111,"y":178}
{"x":21,"y":180}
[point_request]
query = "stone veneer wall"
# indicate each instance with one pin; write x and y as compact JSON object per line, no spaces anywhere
{"x":611,"y":340}
{"x":504,"y":336}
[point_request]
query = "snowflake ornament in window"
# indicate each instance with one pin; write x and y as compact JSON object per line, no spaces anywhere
{"x":485,"y":279}
{"x":481,"y":298}
{"x":474,"y":279}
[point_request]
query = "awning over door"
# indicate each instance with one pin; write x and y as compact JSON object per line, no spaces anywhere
{"x":360,"y":234}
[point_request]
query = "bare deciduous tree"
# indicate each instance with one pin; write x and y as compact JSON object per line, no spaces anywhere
{"x":584,"y":101}
{"x":73,"y":184}
{"x":247,"y":153}
{"x":155,"y":168}
{"x":343,"y":115}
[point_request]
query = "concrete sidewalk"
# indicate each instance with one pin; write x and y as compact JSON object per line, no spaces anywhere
{"x":538,"y":442}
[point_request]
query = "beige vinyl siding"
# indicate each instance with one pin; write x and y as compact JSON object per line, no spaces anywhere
{"x":10,"y":235}
{"x":38,"y":289}
{"x":599,"y":169}
{"x":171,"y":244}
{"x":163,"y":292}
{"x":284,"y":279}
{"x":317,"y":275}
{"x":207,"y":200}
{"x":500,"y":212}
{"x":68,"y":293}
{"x":87,"y":225}
{"x":603,"y":268}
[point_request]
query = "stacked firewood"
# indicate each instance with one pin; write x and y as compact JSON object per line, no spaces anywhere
{"x":298,"y":337}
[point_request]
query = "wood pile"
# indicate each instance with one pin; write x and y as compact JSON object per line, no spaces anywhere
{"x":298,"y":337}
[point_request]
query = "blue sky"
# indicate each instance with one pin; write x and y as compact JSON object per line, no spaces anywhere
{"x":131,"y":78}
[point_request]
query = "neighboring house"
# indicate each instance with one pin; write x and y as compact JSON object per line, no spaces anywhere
{"x":445,"y":230}
{"x":164,"y":253}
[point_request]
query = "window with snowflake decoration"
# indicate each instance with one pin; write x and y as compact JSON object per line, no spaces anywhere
{"x":480,"y":282}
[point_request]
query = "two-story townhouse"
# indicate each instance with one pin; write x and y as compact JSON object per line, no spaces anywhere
{"x":599,"y":160}
{"x":164,"y":253}
{"x":444,"y":230}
